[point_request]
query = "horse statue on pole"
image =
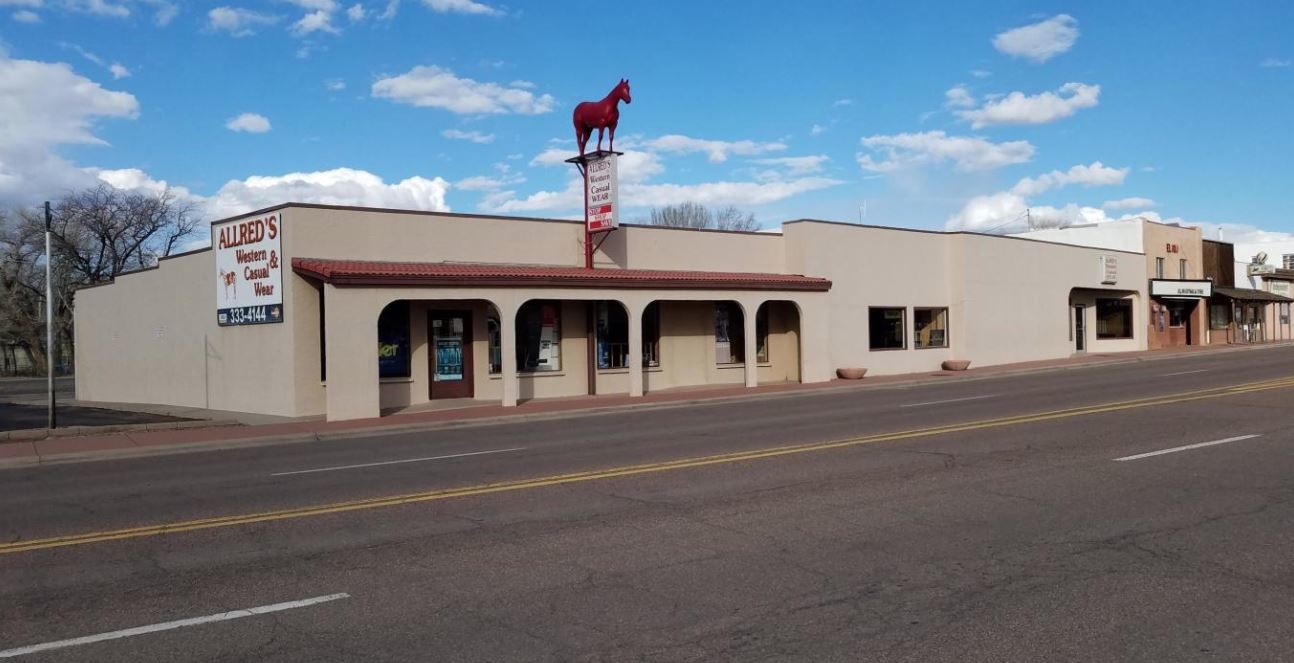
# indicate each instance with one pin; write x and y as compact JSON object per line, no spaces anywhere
{"x":600,"y":115}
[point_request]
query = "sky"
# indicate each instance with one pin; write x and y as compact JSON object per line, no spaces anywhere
{"x":979,"y":116}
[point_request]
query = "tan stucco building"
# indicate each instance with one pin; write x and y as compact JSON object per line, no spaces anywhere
{"x":375,"y":310}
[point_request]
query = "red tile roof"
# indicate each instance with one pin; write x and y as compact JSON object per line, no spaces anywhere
{"x":359,"y":272}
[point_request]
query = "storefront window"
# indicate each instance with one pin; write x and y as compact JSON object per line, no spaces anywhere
{"x":393,"y":341}
{"x":930,"y":327}
{"x":729,"y":334}
{"x":1219,"y":316}
{"x":1114,"y":318}
{"x":885,"y":328}
{"x":612,"y":327}
{"x":1177,"y":314}
{"x":493,"y":333}
{"x":539,"y":337}
{"x":651,"y":335}
{"x":761,"y":334}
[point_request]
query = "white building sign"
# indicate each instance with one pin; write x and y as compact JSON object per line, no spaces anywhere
{"x":601,"y":199}
{"x":1109,"y":270}
{"x":1281,"y":288}
{"x":1191,"y":289}
{"x":249,"y":270}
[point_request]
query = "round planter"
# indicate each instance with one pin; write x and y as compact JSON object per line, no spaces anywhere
{"x":956,"y":364}
{"x":851,"y":373}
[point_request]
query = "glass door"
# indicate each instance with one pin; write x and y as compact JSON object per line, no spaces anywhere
{"x":1080,"y":328}
{"x":451,"y":354}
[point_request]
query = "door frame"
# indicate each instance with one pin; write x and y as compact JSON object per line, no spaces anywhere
{"x":468,"y":383}
{"x":1080,"y":327}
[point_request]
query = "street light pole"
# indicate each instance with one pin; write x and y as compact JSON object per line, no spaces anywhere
{"x":49,"y":313}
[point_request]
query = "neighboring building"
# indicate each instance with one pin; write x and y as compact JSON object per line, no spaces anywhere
{"x":285,"y":314}
{"x":1174,"y":261}
{"x":1265,"y":313}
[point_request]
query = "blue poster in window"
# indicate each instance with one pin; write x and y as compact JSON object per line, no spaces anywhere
{"x":449,"y":359}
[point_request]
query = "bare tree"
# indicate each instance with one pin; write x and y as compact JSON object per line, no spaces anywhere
{"x":693,"y":215}
{"x":97,"y":234}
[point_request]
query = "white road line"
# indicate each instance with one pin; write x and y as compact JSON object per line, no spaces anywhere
{"x":950,"y":400}
{"x":1188,"y":447}
{"x":394,"y":462}
{"x":166,"y":626}
{"x":1168,"y":375}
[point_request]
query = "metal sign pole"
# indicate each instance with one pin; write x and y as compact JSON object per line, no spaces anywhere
{"x":49,"y":314}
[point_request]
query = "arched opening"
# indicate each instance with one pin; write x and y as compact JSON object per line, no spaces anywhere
{"x":777,"y":342}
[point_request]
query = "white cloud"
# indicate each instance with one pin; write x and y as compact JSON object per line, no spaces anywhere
{"x":1010,"y":211}
{"x":461,"y":7}
{"x":797,"y":165}
{"x":99,"y":7}
{"x":504,"y":178}
{"x":317,"y":21}
{"x":1040,"y":41}
{"x":968,"y":153}
{"x":1019,"y":108}
{"x":26,"y":16}
{"x":717,"y":151}
{"x":1129,"y":203}
{"x":335,"y":84}
{"x":251,"y":123}
{"x":842,"y":102}
{"x":632,"y":166}
{"x":1276,"y":63}
{"x":981,"y":73}
{"x":474,"y":136}
{"x":118,"y":71}
{"x":339,"y":186}
{"x":238,"y":22}
{"x":46,"y":106}
{"x":434,"y":87}
{"x":392,"y":8}
{"x":356,"y":13}
{"x":35,"y":4}
{"x":958,"y":96}
{"x":817,"y":130}
{"x":1096,"y":174}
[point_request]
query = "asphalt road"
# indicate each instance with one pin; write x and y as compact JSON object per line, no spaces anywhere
{"x":22,"y":406}
{"x":977,"y":520}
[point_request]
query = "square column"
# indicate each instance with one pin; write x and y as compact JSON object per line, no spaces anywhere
{"x":633,"y":314}
{"x":350,"y":350}
{"x":508,"y":348}
{"x":751,"y":351}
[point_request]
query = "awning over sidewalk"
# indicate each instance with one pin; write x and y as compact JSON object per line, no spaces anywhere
{"x":359,"y":272}
{"x":1250,"y":295}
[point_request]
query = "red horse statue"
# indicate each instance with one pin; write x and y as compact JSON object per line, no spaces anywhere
{"x":600,"y":115}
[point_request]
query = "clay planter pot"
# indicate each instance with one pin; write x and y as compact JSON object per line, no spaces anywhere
{"x":956,"y":364}
{"x":851,"y":373}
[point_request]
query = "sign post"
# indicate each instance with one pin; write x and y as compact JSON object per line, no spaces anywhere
{"x":601,"y":196}
{"x":49,"y":314}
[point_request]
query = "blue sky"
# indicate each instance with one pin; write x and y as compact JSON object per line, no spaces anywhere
{"x":932,"y":114}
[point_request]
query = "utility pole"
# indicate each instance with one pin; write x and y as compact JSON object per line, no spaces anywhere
{"x":49,"y":313}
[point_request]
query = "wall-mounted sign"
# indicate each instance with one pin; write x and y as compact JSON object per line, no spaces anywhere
{"x":1256,"y":269}
{"x":1109,"y":270}
{"x":601,"y":195}
{"x":249,"y":270}
{"x":1172,"y":248}
{"x":1281,"y":288}
{"x":1180,"y":288}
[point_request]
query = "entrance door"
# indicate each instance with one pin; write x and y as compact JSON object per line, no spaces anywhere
{"x":451,"y":354}
{"x":1080,"y":328}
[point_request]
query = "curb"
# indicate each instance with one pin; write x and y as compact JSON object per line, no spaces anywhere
{"x":37,"y":434}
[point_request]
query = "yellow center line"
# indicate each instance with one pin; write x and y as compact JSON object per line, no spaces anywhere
{"x":625,"y":471}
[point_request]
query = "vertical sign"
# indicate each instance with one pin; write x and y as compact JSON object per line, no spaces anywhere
{"x":1109,"y":270}
{"x":602,"y":203}
{"x":249,"y":270}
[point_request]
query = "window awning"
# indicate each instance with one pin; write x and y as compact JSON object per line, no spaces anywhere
{"x":361,"y":272}
{"x":1250,"y":295}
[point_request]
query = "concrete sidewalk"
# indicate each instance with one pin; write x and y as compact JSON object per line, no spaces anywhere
{"x":34,"y":447}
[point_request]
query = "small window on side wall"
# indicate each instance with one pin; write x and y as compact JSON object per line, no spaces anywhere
{"x":930,"y":327}
{"x":885,"y":328}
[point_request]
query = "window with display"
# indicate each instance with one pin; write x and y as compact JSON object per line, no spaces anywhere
{"x":1219,"y":316}
{"x":393,"y":341}
{"x":729,"y":334}
{"x":761,"y":334}
{"x":1113,"y":318}
{"x":930,"y":327}
{"x":494,"y":344}
{"x":885,"y":328}
{"x":539,"y":337}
